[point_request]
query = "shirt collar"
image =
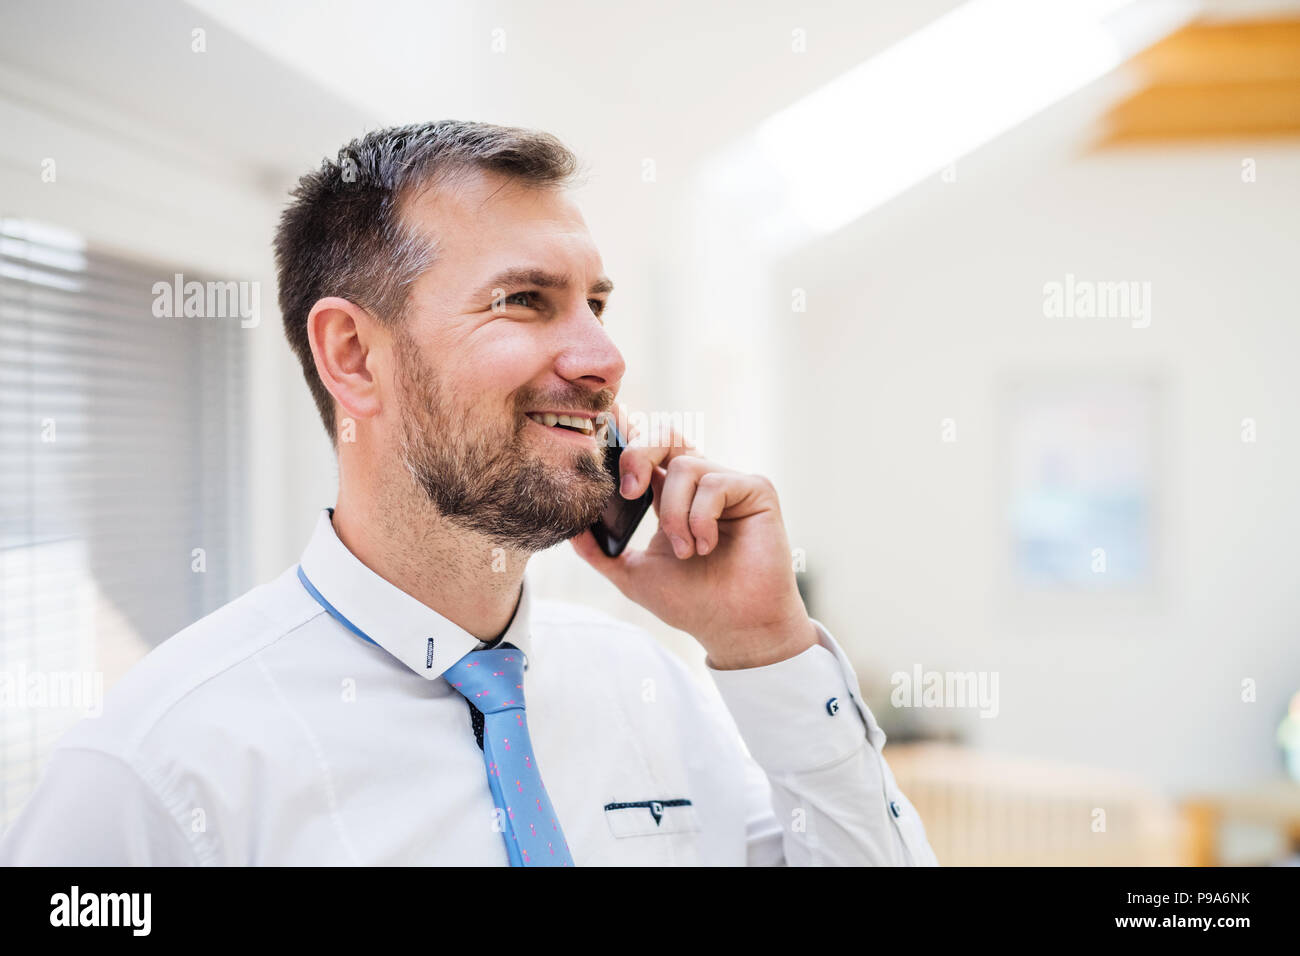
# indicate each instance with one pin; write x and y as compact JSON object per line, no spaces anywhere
{"x":384,"y":614}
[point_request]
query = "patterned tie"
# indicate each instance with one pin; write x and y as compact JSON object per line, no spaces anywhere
{"x":493,"y":682}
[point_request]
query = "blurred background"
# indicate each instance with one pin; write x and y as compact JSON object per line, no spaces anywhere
{"x":1002,"y":295}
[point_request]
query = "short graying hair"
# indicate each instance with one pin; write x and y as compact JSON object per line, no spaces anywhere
{"x":343,"y":233}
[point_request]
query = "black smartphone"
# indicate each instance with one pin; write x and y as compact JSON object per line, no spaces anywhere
{"x":613,"y":529}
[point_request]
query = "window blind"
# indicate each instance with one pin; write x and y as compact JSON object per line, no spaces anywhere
{"x":122,"y":481}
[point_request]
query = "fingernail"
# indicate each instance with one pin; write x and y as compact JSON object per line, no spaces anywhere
{"x":629,"y":482}
{"x":680,"y":547}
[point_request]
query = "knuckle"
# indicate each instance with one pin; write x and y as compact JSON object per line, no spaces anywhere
{"x":713,"y":479}
{"x":678,"y":530}
{"x":673,"y":521}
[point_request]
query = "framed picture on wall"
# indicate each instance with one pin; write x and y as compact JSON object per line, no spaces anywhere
{"x":1083,"y":483}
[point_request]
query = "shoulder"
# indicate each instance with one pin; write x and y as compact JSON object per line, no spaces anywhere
{"x":196,"y":670}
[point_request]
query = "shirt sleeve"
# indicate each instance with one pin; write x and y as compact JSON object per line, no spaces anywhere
{"x":820,"y":791}
{"x":92,"y":809}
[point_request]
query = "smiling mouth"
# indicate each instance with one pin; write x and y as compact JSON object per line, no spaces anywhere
{"x":573,"y":423}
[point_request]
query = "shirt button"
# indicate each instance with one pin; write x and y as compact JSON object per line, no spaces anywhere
{"x":833,"y":706}
{"x":894,"y":808}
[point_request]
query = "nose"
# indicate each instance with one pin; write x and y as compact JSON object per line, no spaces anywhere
{"x":588,"y":355}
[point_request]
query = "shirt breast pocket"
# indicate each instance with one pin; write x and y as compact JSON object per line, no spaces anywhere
{"x":639,"y":818}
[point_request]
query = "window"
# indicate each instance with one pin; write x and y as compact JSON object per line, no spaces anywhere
{"x":121,"y":481}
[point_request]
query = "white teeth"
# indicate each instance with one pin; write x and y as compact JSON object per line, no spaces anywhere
{"x":573,"y":421}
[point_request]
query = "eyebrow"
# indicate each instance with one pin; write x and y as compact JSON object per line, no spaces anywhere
{"x":541,"y":279}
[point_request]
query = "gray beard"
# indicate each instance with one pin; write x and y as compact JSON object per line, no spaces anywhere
{"x":497,"y":488}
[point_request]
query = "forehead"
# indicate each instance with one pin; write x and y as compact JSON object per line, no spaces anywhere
{"x":485,"y":222}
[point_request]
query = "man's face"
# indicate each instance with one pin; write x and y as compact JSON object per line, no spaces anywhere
{"x":480,"y":350}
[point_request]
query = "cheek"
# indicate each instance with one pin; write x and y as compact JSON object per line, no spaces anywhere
{"x":504,"y":369}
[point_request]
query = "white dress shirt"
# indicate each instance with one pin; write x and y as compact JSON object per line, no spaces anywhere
{"x":271,"y":732}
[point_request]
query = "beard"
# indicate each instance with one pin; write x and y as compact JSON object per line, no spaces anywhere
{"x":488,"y":478}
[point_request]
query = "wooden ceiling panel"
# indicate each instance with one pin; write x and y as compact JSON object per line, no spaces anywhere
{"x":1214,"y":81}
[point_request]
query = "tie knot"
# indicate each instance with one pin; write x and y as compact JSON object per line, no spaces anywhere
{"x":491,"y":680}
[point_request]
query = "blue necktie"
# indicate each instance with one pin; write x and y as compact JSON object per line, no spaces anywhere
{"x":493,"y":682}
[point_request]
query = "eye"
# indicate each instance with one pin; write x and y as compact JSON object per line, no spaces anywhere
{"x":597,"y":306}
{"x":508,"y":300}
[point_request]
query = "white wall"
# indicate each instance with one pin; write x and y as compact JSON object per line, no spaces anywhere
{"x":916,"y":314}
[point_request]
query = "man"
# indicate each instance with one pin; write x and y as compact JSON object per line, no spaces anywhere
{"x":402,"y":696}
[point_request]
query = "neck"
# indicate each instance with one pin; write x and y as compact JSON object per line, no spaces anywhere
{"x":466,"y":578}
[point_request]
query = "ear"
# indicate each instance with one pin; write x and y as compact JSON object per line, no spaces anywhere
{"x":343,"y":339}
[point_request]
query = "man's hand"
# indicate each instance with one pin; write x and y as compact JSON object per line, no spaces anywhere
{"x":720,"y":566}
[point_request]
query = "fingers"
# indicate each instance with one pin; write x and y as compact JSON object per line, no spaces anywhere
{"x":640,"y":457}
{"x":697,"y":494}
{"x":675,"y":500}
{"x":691,"y":494}
{"x":710,"y":501}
